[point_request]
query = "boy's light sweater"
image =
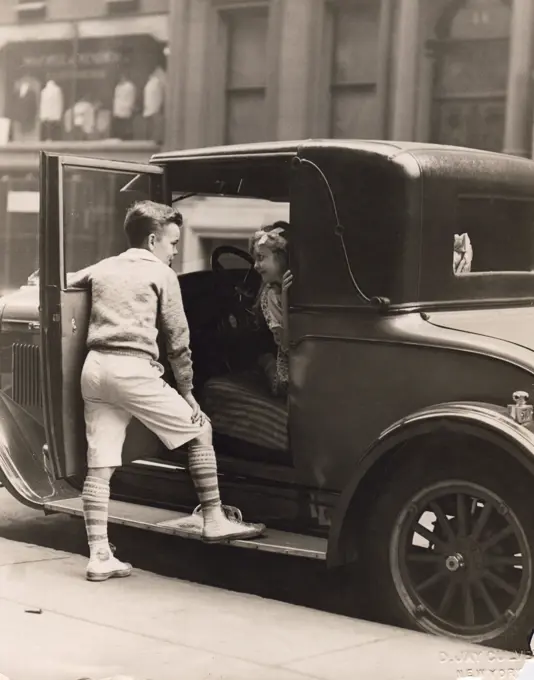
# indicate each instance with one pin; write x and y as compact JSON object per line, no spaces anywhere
{"x":130,"y":294}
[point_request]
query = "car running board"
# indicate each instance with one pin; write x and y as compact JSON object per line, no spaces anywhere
{"x":189,"y":526}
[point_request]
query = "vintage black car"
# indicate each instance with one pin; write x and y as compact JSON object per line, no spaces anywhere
{"x":405,"y":451}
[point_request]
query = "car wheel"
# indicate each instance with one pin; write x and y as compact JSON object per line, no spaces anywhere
{"x":449,"y":549}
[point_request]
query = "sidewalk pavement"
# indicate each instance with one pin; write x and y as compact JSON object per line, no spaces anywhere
{"x":55,"y":625}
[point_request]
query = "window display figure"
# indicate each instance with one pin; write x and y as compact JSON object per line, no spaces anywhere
{"x":83,"y":119}
{"x":24,"y":110}
{"x":51,"y":111}
{"x":153,"y":103}
{"x":102,"y":121}
{"x":124,"y":99}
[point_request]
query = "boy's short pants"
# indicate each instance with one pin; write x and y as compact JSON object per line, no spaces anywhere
{"x":117,"y":387}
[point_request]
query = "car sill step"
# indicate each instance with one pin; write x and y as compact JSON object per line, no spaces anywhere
{"x":183,"y":525}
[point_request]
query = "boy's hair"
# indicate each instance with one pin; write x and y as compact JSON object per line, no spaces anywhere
{"x":147,"y":217}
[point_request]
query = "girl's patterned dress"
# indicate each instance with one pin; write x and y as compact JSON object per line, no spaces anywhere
{"x":271,"y":307}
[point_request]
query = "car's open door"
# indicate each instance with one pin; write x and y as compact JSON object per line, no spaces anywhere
{"x":83,"y":202}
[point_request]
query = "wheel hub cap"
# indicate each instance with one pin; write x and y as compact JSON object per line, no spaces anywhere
{"x":454,"y":562}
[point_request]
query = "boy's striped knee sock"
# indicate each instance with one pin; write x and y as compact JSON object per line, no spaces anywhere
{"x":203,"y":470}
{"x":95,"y":497}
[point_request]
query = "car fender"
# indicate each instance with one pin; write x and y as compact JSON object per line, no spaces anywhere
{"x":23,"y":465}
{"x":486,"y":421}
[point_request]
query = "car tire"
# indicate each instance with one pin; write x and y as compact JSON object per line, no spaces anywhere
{"x":395,"y":571}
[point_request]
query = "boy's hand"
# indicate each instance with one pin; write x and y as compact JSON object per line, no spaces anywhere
{"x":197,"y":416}
{"x":287,"y":280}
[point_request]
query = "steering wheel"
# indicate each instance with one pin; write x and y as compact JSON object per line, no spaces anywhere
{"x":216,"y":266}
{"x":245,"y":289}
{"x":237,"y":292}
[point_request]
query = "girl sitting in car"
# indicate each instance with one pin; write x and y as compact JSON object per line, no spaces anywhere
{"x":269,"y":247}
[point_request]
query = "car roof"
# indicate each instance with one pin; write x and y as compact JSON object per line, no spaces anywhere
{"x":262,"y":170}
{"x":384,"y":148}
{"x":415,"y":160}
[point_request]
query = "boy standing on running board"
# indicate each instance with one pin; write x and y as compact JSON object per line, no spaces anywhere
{"x":122,"y":378}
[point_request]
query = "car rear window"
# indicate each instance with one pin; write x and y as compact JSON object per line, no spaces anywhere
{"x":500,"y":230}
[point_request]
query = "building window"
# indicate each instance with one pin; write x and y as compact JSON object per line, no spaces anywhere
{"x":353,"y":79}
{"x":246,"y":75}
{"x":117,"y":7}
{"x":470,"y":83}
{"x":31,"y":10}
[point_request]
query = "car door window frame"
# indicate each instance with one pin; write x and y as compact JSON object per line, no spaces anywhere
{"x":53,"y":286}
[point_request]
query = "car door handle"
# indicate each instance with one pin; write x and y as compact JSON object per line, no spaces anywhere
{"x":74,"y":326}
{"x":34,"y":325}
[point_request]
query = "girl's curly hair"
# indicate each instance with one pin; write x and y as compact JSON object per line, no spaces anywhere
{"x":273,"y":236}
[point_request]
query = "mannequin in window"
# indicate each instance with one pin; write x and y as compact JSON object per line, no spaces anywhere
{"x":102,"y":121}
{"x":153,"y":103}
{"x":124,"y":108}
{"x":82,"y":121}
{"x":24,"y":110}
{"x":51,"y":111}
{"x":83,"y":118}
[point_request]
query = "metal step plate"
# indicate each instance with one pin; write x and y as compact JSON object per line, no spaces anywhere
{"x":187,"y":526}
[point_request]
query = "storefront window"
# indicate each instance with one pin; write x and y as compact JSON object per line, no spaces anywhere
{"x":86,"y":89}
{"x":19,"y":249}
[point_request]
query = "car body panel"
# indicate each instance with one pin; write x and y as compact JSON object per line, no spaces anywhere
{"x":514,"y":325}
{"x":23,"y":465}
{"x":328,"y":359}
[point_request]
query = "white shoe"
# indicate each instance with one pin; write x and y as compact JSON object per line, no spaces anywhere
{"x":228,"y":525}
{"x":104,"y":565}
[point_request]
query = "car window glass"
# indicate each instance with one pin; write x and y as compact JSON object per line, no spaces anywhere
{"x":94,"y":206}
{"x":493,"y":234}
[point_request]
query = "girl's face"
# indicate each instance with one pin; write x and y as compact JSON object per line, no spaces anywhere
{"x":268,"y":264}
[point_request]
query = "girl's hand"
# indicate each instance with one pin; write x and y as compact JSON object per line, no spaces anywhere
{"x":283,"y":342}
{"x":267,"y":363}
{"x":287,"y":280}
{"x":266,"y":359}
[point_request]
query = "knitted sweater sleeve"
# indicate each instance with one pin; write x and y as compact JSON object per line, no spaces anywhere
{"x":175,"y":327}
{"x":80,"y":279}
